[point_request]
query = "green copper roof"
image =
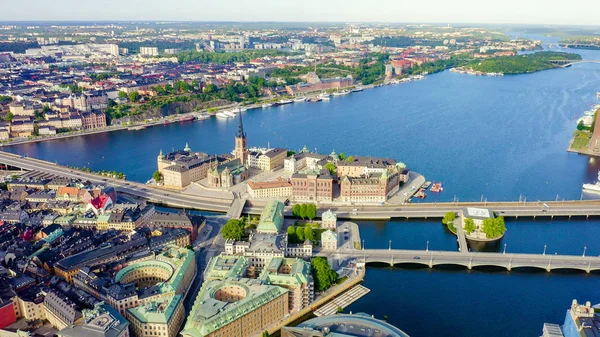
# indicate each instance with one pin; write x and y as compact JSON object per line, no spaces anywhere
{"x":328,"y":215}
{"x":226,"y":266}
{"x":143,"y":264}
{"x":299,"y":273}
{"x":156,"y":311}
{"x":271,"y":217}
{"x":209,"y":314}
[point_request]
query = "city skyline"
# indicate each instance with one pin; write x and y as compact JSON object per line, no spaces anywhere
{"x":438,"y":11}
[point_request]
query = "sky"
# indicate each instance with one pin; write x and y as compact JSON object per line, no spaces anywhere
{"x":562,"y":12}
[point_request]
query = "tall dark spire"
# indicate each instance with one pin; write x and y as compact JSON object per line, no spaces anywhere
{"x":241,"y":133}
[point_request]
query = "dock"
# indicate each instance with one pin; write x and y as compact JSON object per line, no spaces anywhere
{"x":342,"y":301}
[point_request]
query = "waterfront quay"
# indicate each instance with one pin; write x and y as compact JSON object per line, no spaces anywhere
{"x":221,"y":201}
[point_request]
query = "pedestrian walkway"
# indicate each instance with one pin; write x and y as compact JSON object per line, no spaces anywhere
{"x":235,"y":211}
{"x":342,"y":301}
{"x":462,"y":238}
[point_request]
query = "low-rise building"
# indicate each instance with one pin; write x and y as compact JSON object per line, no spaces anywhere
{"x":329,"y":241}
{"x":267,"y":159}
{"x":269,"y":189}
{"x":101,"y":321}
{"x":271,"y":218}
{"x":312,"y":186}
{"x":329,"y":220}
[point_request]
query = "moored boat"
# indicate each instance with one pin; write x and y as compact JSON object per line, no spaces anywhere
{"x":299,"y":99}
{"x":357,"y":89}
{"x":593,"y":187}
{"x":222,"y":115}
{"x":341,"y":93}
{"x":267,"y":105}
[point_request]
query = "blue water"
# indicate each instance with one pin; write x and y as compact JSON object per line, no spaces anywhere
{"x":496,"y":138}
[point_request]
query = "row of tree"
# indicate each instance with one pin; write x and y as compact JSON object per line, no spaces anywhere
{"x":300,"y":233}
{"x":305,"y":211}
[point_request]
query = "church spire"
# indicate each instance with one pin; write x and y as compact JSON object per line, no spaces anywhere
{"x":241,"y":133}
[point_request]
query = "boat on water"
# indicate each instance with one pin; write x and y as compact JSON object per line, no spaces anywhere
{"x":593,"y":187}
{"x":202,"y":116}
{"x":597,"y":94}
{"x":231,"y":114}
{"x":437,"y":187}
{"x":324,"y":96}
{"x":242,"y":109}
{"x":267,"y":105}
{"x":135,"y":128}
{"x":315,"y":99}
{"x":299,"y":99}
{"x":357,"y":89}
{"x":285,"y":101}
{"x":186,"y":118}
{"x":589,"y":112}
{"x":341,"y":93}
{"x":222,"y":115}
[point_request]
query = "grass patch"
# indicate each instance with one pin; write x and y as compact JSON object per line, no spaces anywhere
{"x":341,"y":280}
{"x":581,"y":140}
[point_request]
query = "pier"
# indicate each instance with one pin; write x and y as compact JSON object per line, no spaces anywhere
{"x":342,"y":301}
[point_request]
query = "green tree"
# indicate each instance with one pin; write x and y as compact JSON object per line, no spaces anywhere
{"x":303,"y":211}
{"x":323,"y":276}
{"x":449,"y":217}
{"x":580,"y":126}
{"x":469,"y":225}
{"x":300,"y":234}
{"x":339,"y":310}
{"x":308,"y":233}
{"x":134,"y":96}
{"x":296,"y":210}
{"x":291,"y":231}
{"x":331,"y":167}
{"x":311,"y":211}
{"x":9,"y":116}
{"x":36,"y":129}
{"x":122,"y":94}
{"x":342,"y":156}
{"x":493,"y":228}
{"x":265,"y":334}
{"x":39,"y":115}
{"x":233,"y":229}
{"x":157,"y":176}
{"x":5,"y":99}
{"x":350,"y":159}
{"x":190,"y":247}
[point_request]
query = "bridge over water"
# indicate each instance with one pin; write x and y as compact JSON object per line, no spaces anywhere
{"x":471,"y":260}
{"x":568,"y":63}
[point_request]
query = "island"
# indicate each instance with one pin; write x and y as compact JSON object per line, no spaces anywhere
{"x":518,"y":64}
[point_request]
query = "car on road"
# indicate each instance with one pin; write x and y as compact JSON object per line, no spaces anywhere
{"x":417,"y":257}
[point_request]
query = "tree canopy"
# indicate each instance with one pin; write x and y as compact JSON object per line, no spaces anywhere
{"x":469,"y":225}
{"x":157,"y":176}
{"x":494,"y":228}
{"x":323,"y":276}
{"x":233,"y":229}
{"x":331,"y":167}
{"x":449,"y":217}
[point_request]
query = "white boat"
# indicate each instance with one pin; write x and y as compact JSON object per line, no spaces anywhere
{"x":222,"y":115}
{"x":324,"y":96}
{"x":357,"y":89}
{"x":299,"y":99}
{"x":589,"y":112}
{"x":267,"y":105}
{"x":341,"y":93}
{"x":242,"y":109}
{"x":231,"y":114}
{"x":593,"y":187}
{"x":597,"y":94}
{"x":202,"y":116}
{"x":285,"y":101}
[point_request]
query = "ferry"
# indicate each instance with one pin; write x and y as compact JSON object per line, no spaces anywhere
{"x":285,"y":101}
{"x":231,"y":114}
{"x":315,"y":99}
{"x":357,"y":89}
{"x":266,"y":105}
{"x":593,"y":187}
{"x":324,"y":96}
{"x":222,"y":115}
{"x":341,"y":93}
{"x":299,"y":99}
